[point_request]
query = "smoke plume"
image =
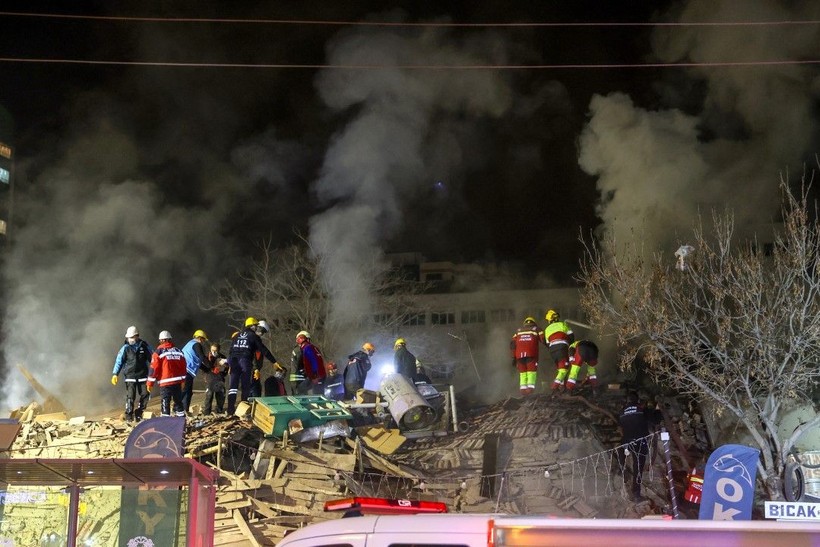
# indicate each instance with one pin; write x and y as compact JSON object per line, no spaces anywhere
{"x":658,"y":169}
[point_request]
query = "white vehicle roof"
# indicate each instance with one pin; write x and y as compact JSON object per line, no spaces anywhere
{"x":442,"y":524}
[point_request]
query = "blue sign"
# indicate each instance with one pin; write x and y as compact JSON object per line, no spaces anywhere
{"x":729,"y":483}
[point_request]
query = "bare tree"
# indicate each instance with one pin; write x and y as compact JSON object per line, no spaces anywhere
{"x":284,"y":287}
{"x":725,"y":324}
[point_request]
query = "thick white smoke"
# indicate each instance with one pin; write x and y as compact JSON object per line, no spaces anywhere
{"x":381,"y":158}
{"x":97,"y":249}
{"x":657,"y":169}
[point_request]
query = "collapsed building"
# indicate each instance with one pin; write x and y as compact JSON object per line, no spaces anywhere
{"x":280,"y":459}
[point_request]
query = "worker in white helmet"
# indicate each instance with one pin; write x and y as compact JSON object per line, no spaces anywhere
{"x":133,"y":361}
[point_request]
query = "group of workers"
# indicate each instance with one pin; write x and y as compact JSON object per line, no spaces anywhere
{"x":568,"y":354}
{"x":175,"y":370}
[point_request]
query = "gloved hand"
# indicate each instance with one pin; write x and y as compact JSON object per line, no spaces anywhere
{"x":114,"y":380}
{"x":148,"y":387}
{"x":256,"y":374}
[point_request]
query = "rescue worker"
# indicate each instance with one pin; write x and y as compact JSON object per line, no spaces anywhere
{"x":524,"y":346}
{"x":218,"y":365}
{"x":558,"y":336}
{"x":133,"y":360}
{"x":275,"y":383}
{"x":168,"y":368}
{"x":358,"y":365}
{"x":635,"y":420}
{"x":241,"y":357}
{"x":404,"y":362}
{"x":298,"y":383}
{"x":313,"y":364}
{"x":334,"y":383}
{"x":262,"y":328}
{"x":196,"y":358}
{"x":583,"y":352}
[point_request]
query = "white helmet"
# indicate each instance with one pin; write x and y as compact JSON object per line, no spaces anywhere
{"x":131,"y":332}
{"x":263,"y":325}
{"x":165,"y":335}
{"x":303,"y":333}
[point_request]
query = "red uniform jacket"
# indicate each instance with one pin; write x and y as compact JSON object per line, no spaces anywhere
{"x":525,"y":342}
{"x":167,"y":366}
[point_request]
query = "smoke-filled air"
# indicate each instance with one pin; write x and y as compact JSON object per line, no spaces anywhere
{"x":155,"y":183}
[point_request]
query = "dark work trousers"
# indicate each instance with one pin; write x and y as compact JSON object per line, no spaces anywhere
{"x":274,"y":387}
{"x":135,"y":390}
{"x":168,"y":393}
{"x":241,"y":376}
{"x":188,"y":391}
{"x":216,"y":390}
{"x":638,"y":451}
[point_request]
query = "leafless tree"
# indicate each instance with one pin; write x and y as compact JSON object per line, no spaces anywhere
{"x":725,"y":324}
{"x":284,"y":287}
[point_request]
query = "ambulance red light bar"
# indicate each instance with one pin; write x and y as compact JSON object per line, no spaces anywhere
{"x":385,"y":506}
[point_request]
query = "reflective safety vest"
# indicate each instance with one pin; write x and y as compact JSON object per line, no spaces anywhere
{"x":694,"y":486}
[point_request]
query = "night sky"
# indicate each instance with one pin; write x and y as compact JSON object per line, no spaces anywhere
{"x":140,"y":187}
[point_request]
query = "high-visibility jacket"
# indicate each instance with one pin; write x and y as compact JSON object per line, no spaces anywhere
{"x":558,"y":332}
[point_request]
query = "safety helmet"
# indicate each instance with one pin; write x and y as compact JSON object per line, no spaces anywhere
{"x":264,"y":326}
{"x":552,"y":316}
{"x":165,"y":335}
{"x":399,"y":342}
{"x":250,"y":321}
{"x":369,"y":348}
{"x":303,"y":334}
{"x":529,"y":320}
{"x":199,"y":333}
{"x":131,"y":332}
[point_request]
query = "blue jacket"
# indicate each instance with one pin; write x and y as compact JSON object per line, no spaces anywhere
{"x":194,"y":357}
{"x":134,"y":360}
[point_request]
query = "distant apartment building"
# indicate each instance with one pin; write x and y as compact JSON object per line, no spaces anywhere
{"x":467,"y":318}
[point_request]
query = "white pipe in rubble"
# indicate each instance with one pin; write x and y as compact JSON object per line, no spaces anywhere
{"x":361,"y":405}
{"x":453,"y":408}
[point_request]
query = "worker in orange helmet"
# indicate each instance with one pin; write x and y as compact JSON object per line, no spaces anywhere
{"x":524,"y":347}
{"x":358,"y":365}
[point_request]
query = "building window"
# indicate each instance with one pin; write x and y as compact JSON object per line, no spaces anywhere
{"x":434,"y":277}
{"x":383,"y":318}
{"x":473,"y":316}
{"x":414,"y":319}
{"x":502,"y":316}
{"x":442,"y":318}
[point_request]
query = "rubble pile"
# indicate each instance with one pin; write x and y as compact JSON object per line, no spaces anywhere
{"x":509,"y":457}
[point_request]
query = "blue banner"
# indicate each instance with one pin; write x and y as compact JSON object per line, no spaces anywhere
{"x":160,"y":437}
{"x":729,"y":483}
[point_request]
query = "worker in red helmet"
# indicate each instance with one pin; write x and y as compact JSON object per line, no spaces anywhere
{"x":313,"y":363}
{"x":583,"y":352}
{"x":524,"y":347}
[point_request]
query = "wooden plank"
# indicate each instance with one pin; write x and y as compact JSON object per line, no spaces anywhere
{"x":245,"y":529}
